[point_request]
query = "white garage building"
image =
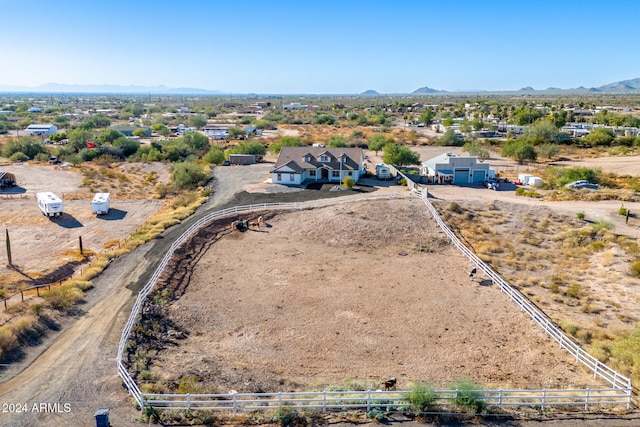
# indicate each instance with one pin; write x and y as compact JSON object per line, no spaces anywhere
{"x":42,"y":129}
{"x":449,"y":168}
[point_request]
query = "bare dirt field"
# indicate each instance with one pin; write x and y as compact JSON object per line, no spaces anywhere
{"x":356,"y":292}
{"x":41,"y":247}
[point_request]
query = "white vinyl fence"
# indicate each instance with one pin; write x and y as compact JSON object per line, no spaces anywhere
{"x":388,"y":401}
{"x":619,"y":393}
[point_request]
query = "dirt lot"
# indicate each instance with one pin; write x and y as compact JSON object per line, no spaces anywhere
{"x":353,"y":292}
{"x":42,"y":247}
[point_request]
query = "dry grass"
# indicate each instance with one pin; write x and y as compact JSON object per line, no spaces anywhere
{"x":594,"y":276}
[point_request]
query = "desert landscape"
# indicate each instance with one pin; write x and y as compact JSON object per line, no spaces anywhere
{"x":350,"y":293}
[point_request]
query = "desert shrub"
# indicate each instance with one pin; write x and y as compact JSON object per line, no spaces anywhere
{"x":520,"y":191}
{"x":601,"y":225}
{"x":63,"y":297}
{"x":634,"y":269}
{"x":286,"y":416}
{"x":623,"y":211}
{"x":421,"y":397}
{"x":19,"y":157}
{"x":455,"y":207}
{"x":574,"y":291}
{"x":580,"y":216}
{"x":187,"y":175}
{"x":402,"y":181}
{"x":376,"y":414}
{"x":467,"y":395}
{"x":348,"y":182}
{"x":8,"y":340}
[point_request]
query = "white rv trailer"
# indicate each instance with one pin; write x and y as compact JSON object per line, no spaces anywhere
{"x":49,"y":204}
{"x":101,"y":203}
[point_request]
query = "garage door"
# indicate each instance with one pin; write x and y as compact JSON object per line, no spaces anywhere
{"x":461,"y":176}
{"x":479,"y":175}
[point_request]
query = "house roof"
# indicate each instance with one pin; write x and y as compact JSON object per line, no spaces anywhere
{"x":300,"y":159}
{"x":445,"y":158}
{"x":39,"y":126}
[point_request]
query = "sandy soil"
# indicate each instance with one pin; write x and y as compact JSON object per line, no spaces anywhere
{"x":45,"y":249}
{"x":356,"y":292}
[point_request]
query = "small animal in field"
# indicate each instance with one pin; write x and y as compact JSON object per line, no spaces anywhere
{"x":472,"y":272}
{"x":257,"y":223}
{"x":389,"y":384}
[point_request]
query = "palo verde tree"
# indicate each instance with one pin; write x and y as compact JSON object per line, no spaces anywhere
{"x":399,"y":155}
{"x":520,"y":150}
{"x":475,"y":148}
{"x":285,"y":141}
{"x":186,"y":175}
{"x":337,"y":141}
{"x":450,"y":138}
{"x":379,"y":140}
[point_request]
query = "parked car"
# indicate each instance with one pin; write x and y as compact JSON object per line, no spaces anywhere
{"x":54,"y":160}
{"x":582,"y":183}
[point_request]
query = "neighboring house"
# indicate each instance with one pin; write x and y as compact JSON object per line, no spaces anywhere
{"x":295,"y":106}
{"x":181,"y":129}
{"x":215,"y":131}
{"x":296,"y":165}
{"x":35,"y":110}
{"x":42,"y":129}
{"x":452,"y":169}
{"x":252,"y":131}
{"x":128,"y":130}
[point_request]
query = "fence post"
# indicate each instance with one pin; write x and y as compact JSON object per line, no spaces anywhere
{"x":324,"y":401}
{"x":586,"y":401}
{"x":544,"y":397}
{"x":368,"y":400}
{"x":235,"y":404}
{"x":188,"y":401}
{"x":500,"y":399}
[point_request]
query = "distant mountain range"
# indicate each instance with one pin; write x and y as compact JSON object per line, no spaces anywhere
{"x":624,"y":86}
{"x":106,"y":88}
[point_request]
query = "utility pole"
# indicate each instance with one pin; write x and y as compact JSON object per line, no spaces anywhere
{"x":8,"y":247}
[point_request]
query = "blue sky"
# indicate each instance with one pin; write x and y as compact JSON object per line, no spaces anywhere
{"x":323,"y":47}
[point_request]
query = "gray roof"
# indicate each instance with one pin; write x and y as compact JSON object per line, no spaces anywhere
{"x":307,"y":158}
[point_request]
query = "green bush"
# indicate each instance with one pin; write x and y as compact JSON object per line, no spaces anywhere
{"x":19,"y":157}
{"x":187,"y":175}
{"x":580,"y":216}
{"x":467,"y":396}
{"x":421,"y":397}
{"x":286,"y":415}
{"x":623,"y":211}
{"x":520,"y":191}
{"x":348,"y":182}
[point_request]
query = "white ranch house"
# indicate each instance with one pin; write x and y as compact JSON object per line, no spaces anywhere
{"x":449,"y":168}
{"x":296,"y":165}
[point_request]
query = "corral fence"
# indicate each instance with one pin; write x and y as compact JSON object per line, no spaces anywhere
{"x":619,"y":394}
{"x":387,"y":401}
